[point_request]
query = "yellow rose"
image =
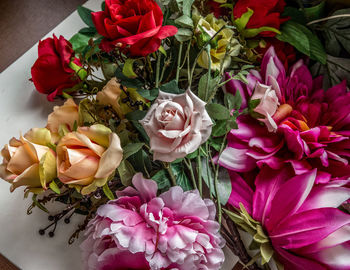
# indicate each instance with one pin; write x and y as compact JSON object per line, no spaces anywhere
{"x":223,"y":46}
{"x":112,"y":94}
{"x":28,"y":161}
{"x":88,"y":157}
{"x":62,"y":119}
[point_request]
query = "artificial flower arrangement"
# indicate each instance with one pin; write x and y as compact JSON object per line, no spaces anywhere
{"x":188,"y":122}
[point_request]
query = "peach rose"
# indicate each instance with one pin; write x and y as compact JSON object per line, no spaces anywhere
{"x":268,"y":105}
{"x":62,"y":119}
{"x":88,"y":157}
{"x":28,"y":161}
{"x":177,"y":125}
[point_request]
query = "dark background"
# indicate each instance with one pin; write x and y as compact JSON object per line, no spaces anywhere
{"x":24,"y":22}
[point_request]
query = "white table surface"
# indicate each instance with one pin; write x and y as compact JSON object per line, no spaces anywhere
{"x":22,"y":108}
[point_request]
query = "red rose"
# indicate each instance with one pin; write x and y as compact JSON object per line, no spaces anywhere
{"x":136,"y":24}
{"x":266,"y":13}
{"x":51,"y":73}
{"x":216,"y":8}
{"x":285,"y":52}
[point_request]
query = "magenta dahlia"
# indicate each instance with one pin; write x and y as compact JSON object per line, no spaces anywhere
{"x":300,"y":219}
{"x":176,"y":230}
{"x":296,"y":122}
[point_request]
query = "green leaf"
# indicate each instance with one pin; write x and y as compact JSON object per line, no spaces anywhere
{"x":151,"y":94}
{"x":107,"y":191}
{"x":162,"y":50}
{"x":185,"y":6}
{"x":208,"y":175}
{"x":103,"y":5}
{"x":128,"y":70}
{"x":224,"y":186}
{"x":181,"y":178}
{"x":126,"y":172}
{"x":88,"y":31}
{"x":266,"y":251}
{"x":85,"y":15}
{"x":252,"y":32}
{"x":337,"y":33}
{"x":184,"y":21}
{"x":242,"y":22}
{"x":162,"y":179}
{"x":38,"y":204}
{"x":131,"y":149}
{"x":303,"y":40}
{"x":183,"y":34}
{"x":128,"y":82}
{"x":53,"y":186}
{"x":295,"y":14}
{"x":79,"y":42}
{"x":171,"y":87}
{"x":218,"y":111}
{"x":136,"y":115}
{"x":233,"y":102}
{"x":335,"y":71}
{"x":206,"y":92}
{"x":220,"y":128}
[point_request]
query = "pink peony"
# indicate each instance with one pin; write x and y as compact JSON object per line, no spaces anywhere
{"x":176,"y":230}
{"x":301,"y":219}
{"x":312,"y":125}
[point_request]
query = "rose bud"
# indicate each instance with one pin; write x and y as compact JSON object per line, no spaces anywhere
{"x":63,"y":119}
{"x":135,"y":25}
{"x":56,"y":68}
{"x":87,"y":158}
{"x":28,"y":161}
{"x":177,"y":125}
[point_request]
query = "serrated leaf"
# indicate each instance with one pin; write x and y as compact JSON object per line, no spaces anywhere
{"x":233,"y":102}
{"x":162,"y":179}
{"x":85,"y":15}
{"x":171,"y":87}
{"x":337,"y":33}
{"x":126,"y":172}
{"x":181,"y":177}
{"x":53,"y":186}
{"x":183,"y":34}
{"x":205,"y":90}
{"x":218,"y":111}
{"x":303,"y":40}
{"x":107,"y":191}
{"x":184,"y":21}
{"x":128,"y":70}
{"x":131,"y":149}
{"x":150,"y":94}
{"x":79,"y":42}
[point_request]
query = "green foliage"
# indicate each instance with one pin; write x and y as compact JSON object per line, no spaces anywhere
{"x":337,"y":33}
{"x":131,"y":149}
{"x":233,"y":102}
{"x":218,"y":111}
{"x":207,"y":87}
{"x":181,"y":177}
{"x":150,"y":94}
{"x":171,"y":87}
{"x":85,"y":15}
{"x":126,"y":172}
{"x":162,"y":180}
{"x":303,"y":40}
{"x":79,"y":42}
{"x":53,"y":186}
{"x":107,"y":191}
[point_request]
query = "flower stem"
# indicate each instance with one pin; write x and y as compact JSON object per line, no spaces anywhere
{"x":158,"y":69}
{"x":171,"y":174}
{"x":199,"y":172}
{"x":179,"y":63}
{"x":189,"y":167}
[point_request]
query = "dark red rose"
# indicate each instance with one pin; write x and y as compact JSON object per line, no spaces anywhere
{"x":266,"y":13}
{"x":51,"y":73}
{"x":285,"y":52}
{"x":135,"y":24}
{"x":216,"y":8}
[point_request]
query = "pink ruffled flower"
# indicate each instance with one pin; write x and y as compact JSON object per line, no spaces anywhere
{"x":312,"y":125}
{"x":176,"y":230}
{"x":301,"y":219}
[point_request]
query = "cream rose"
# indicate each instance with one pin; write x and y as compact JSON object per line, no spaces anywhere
{"x":268,"y":104}
{"x":88,"y":157}
{"x":177,"y":125}
{"x":28,"y":161}
{"x":62,"y":119}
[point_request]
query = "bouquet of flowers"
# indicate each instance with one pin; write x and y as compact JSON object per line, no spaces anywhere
{"x":188,"y":124}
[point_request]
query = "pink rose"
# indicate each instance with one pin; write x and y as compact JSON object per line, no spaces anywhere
{"x":140,"y":230}
{"x":268,"y":104}
{"x":177,"y":125}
